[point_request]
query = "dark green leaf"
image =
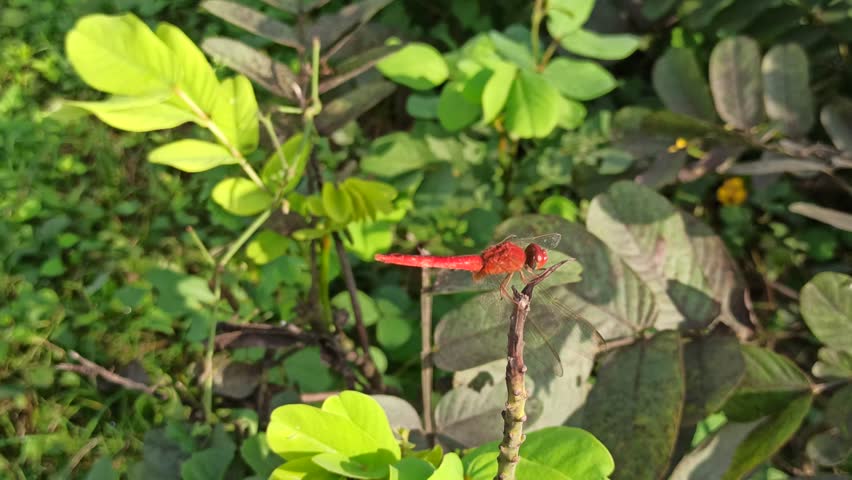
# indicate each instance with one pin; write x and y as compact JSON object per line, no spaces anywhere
{"x":352,"y":105}
{"x":639,"y":393}
{"x":356,"y":65}
{"x":255,"y":452}
{"x":714,"y":367}
{"x":836,"y":117}
{"x":770,"y":383}
{"x":826,"y":304}
{"x":268,"y":73}
{"x":455,"y":112}
{"x":253,"y":21}
{"x":329,"y":28}
{"x":786,"y":89}
{"x":679,"y":82}
{"x":736,"y":82}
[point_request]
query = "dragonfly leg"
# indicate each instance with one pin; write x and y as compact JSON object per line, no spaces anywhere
{"x":505,"y":291}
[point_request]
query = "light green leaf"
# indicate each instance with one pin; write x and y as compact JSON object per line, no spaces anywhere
{"x":826,"y":304}
{"x":192,"y":155}
{"x":567,"y":16}
{"x":367,"y":414}
{"x":336,"y":203}
{"x":395,"y":154}
{"x":680,"y":84}
{"x":121,"y":55}
{"x":135,"y":114}
{"x":496,"y":90}
{"x":596,"y":45}
{"x":412,"y":468}
{"x":450,"y":469}
{"x":302,"y":469}
{"x":579,"y":79}
{"x":571,"y":114}
{"x":369,"y":310}
{"x":255,"y":452}
{"x":454,"y":111}
{"x":241,"y":196}
{"x":787,"y":91}
{"x":348,"y":467}
{"x":532,"y":107}
{"x":736,"y":83}
{"x":197,"y":76}
{"x":266,"y":246}
{"x":235,"y":113}
{"x":273,"y":170}
{"x":762,"y":442}
{"x":555,"y":453}
{"x":511,"y":50}
{"x":102,"y":470}
{"x":418,"y":66}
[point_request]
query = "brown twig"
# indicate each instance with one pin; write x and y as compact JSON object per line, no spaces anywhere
{"x":369,"y":368}
{"x":426,"y":369}
{"x":514,"y":415}
{"x":92,"y":369}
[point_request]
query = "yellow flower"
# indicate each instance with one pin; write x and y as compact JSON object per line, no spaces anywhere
{"x":732,"y":192}
{"x":680,"y":144}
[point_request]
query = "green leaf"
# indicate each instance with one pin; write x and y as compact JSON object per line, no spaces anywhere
{"x":679,"y":82}
{"x":414,"y":469}
{"x":787,"y":94}
{"x":332,"y":27}
{"x":192,"y":155}
{"x":650,"y":236}
{"x":561,"y":206}
{"x":714,"y":367}
{"x":736,"y":82}
{"x":302,"y":469}
{"x":571,"y":115}
{"x":418,"y":66}
{"x":393,"y":332}
{"x":197,"y":77}
{"x":454,"y":111}
{"x":579,"y":79}
{"x":395,"y":154}
{"x":350,"y":468}
{"x":102,"y":470}
{"x":496,"y":91}
{"x":356,"y":65}
{"x":135,"y":114}
{"x":450,"y":469}
{"x":236,"y":113}
{"x":770,"y":383}
{"x":367,"y":414}
{"x":532,"y":106}
{"x":351,"y":105}
{"x":826,"y":305}
{"x":336,"y":203}
{"x":712,"y":458}
{"x":257,"y":455}
{"x":596,"y":45}
{"x":369,"y":310}
{"x":833,"y":364}
{"x":471,"y":417}
{"x":241,"y":196}
{"x":266,"y":246}
{"x":377,"y":196}
{"x":254,"y":22}
{"x":768,"y":437}
{"x":512,"y":51}
{"x":121,"y":55}
{"x":567,"y":16}
{"x":828,"y":449}
{"x":307,"y":371}
{"x":836,"y":117}
{"x":296,"y":431}
{"x":270,"y":74}
{"x":639,"y":394}
{"x":210,"y":463}
{"x":423,"y":107}
{"x":296,"y":154}
{"x":829,"y":216}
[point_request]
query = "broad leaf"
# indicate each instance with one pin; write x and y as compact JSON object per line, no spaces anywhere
{"x":192,"y":155}
{"x":786,"y":89}
{"x":302,"y":469}
{"x":235,"y":113}
{"x":470,"y":417}
{"x":835,"y":218}
{"x":356,"y":65}
{"x":121,"y":55}
{"x":579,"y":79}
{"x":714,"y":367}
{"x":255,"y":452}
{"x":253,"y":21}
{"x":368,"y":415}
{"x":770,"y":383}
{"x":400,"y":413}
{"x":650,"y":236}
{"x":826,"y":304}
{"x":736,"y":82}
{"x":349,"y":467}
{"x":350,"y":106}
{"x":531,"y":108}
{"x":241,"y":196}
{"x":136,"y":114}
{"x":567,"y":16}
{"x":639,"y":394}
{"x":833,"y":364}
{"x":336,"y":203}
{"x":212,"y":462}
{"x":712,"y":458}
{"x":556,"y":453}
{"x":197,"y":77}
{"x":268,"y":73}
{"x":512,"y":50}
{"x":771,"y":164}
{"x":679,"y":82}
{"x":496,"y":90}
{"x":455,"y":112}
{"x":332,"y":27}
{"x":450,"y":469}
{"x":596,"y":45}
{"x":418,"y":66}
{"x":836,"y":117}
{"x":286,"y":166}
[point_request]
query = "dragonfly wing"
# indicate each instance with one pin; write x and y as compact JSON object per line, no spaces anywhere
{"x":588,"y":340}
{"x":542,"y":352}
{"x":548,"y":241}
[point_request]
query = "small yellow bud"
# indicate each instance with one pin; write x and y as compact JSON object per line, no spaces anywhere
{"x":732,"y":192}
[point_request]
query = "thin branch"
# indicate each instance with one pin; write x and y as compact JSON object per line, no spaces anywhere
{"x":514,"y":415}
{"x":370,"y":370}
{"x":426,"y":369}
{"x":92,"y":369}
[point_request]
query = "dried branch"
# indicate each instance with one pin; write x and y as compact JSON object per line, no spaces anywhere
{"x":514,"y":414}
{"x":241,"y":335}
{"x":92,"y":369}
{"x":426,"y":369}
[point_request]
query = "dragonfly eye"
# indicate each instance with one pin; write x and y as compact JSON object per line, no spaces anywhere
{"x":536,"y":256}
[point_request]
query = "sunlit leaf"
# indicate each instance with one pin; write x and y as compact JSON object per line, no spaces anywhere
{"x":418,"y":66}
{"x":192,"y":155}
{"x":531,"y":108}
{"x":241,"y":196}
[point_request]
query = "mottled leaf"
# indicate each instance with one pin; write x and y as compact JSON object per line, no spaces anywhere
{"x":679,"y":82}
{"x":786,"y":89}
{"x":268,"y":73}
{"x":714,"y":367}
{"x":736,"y":82}
{"x":826,"y":304}
{"x":253,"y":21}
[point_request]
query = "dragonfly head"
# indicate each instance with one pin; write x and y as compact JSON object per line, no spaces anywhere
{"x":536,"y":257}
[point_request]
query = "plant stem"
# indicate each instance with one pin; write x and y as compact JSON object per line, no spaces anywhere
{"x":198,"y":243}
{"x":426,"y":352}
{"x":207,"y":399}
{"x":324,"y":263}
{"x":238,"y":244}
{"x":537,"y":16}
{"x":370,"y":370}
{"x":515,"y":415}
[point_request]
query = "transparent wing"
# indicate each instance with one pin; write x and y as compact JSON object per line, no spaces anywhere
{"x":456,"y":281}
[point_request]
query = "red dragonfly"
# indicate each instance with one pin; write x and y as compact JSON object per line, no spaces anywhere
{"x":493,"y":268}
